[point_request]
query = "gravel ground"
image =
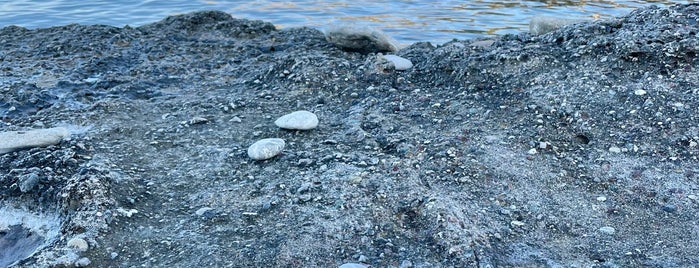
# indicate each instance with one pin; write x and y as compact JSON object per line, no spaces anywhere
{"x":576,"y":148}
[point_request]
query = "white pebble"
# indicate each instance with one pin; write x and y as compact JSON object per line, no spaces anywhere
{"x":203,"y":210}
{"x":400,"y":63}
{"x":614,"y":149}
{"x":601,"y":199}
{"x":352,"y":265}
{"x":517,"y":223}
{"x":532,"y":151}
{"x":78,"y":244}
{"x":301,"y":120}
{"x":266,"y":148}
{"x":607,"y":230}
{"x":639,"y":92}
{"x":82,"y":262}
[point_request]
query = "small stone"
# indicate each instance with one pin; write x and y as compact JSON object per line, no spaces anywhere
{"x":300,"y":120}
{"x":11,"y":141}
{"x":203,"y":210}
{"x":359,"y":38}
{"x":82,"y":262}
{"x":517,"y":223}
{"x":236,"y":119}
{"x":400,"y":63}
{"x":27,"y":182}
{"x":127,"y":212}
{"x":406,"y":264}
{"x":352,"y":265}
{"x":607,"y":230}
{"x":113,"y":255}
{"x":532,"y":151}
{"x":639,"y":92}
{"x":669,"y":208}
{"x":78,"y":244}
{"x":614,"y":149}
{"x":266,"y":148}
{"x":601,"y":199}
{"x":198,"y":120}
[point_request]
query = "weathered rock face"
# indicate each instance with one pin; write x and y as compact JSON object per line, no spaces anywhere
{"x":570,"y":148}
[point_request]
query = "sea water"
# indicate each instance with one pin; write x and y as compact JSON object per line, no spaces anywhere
{"x":407,"y":21}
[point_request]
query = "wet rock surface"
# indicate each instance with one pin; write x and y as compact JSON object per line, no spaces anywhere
{"x":477,"y":156}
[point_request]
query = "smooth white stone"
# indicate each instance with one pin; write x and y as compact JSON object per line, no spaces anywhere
{"x":301,"y":120}
{"x":78,"y":244}
{"x":266,"y":148}
{"x":400,"y":63}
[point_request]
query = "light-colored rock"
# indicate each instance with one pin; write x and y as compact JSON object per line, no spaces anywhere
{"x":360,"y":38}
{"x":11,"y":141}
{"x":203,"y":210}
{"x":542,"y":25}
{"x":266,"y":148}
{"x":352,"y":265}
{"x":400,"y":63}
{"x":83,"y":262}
{"x":607,"y":230}
{"x":301,"y":120}
{"x":78,"y":244}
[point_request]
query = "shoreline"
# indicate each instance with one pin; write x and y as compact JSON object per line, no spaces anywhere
{"x":575,"y":148}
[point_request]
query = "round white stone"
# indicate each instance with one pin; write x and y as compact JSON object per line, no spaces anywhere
{"x":400,"y":63}
{"x":640,"y":92}
{"x":266,"y":148}
{"x":301,"y":120}
{"x":78,"y":244}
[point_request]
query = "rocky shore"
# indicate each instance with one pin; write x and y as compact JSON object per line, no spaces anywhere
{"x":574,"y":148}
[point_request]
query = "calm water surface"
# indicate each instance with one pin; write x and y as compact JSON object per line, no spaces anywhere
{"x":406,"y":21}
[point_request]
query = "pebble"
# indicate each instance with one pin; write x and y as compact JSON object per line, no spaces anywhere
{"x":360,"y":38}
{"x":266,"y":148}
{"x":203,"y":210}
{"x":300,"y":120}
{"x":614,"y":149}
{"x":78,"y":244}
{"x":11,"y":141}
{"x":352,"y":265}
{"x":82,"y":262}
{"x":639,"y":92}
{"x":607,"y":230}
{"x":601,"y":198}
{"x":517,"y":223}
{"x":27,"y":182}
{"x":400,"y":63}
{"x":669,"y":208}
